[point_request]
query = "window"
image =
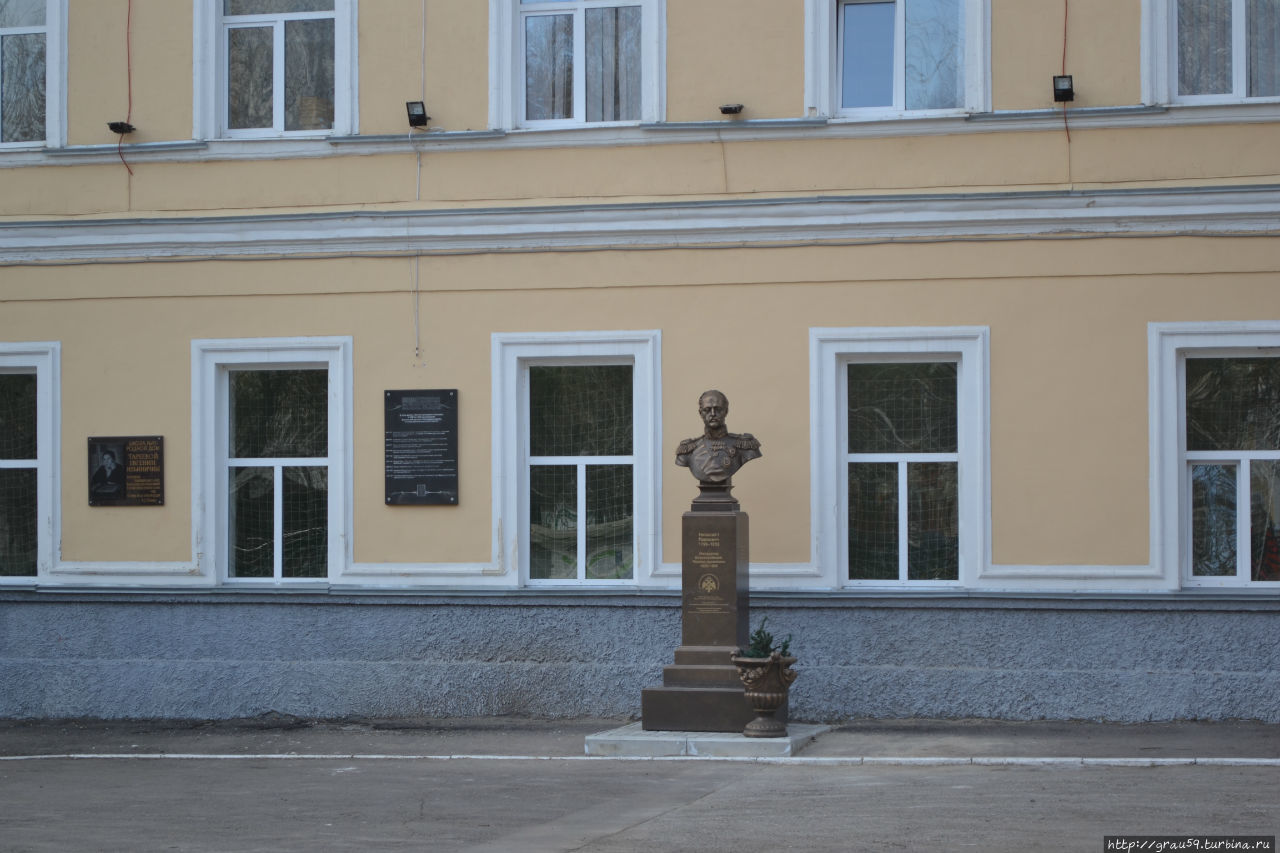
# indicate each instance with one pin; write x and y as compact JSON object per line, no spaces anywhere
{"x":874,"y":58}
{"x":573,"y":62}
{"x":284,"y":67}
{"x":30,"y":71}
{"x":27,"y":452}
{"x":1216,"y":452}
{"x":580,"y":441}
{"x":901,"y":463}
{"x":274,"y":469}
{"x":1225,"y":49}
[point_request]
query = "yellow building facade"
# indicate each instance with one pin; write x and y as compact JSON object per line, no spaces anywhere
{"x":1004,"y":354}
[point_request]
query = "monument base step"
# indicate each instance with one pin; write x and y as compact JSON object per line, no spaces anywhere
{"x":697,"y":709}
{"x":633,"y":741}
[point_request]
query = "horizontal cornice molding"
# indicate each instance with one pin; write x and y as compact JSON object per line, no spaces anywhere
{"x":800,"y":221}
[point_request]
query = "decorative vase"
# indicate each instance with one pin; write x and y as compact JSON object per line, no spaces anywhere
{"x":767,"y":681}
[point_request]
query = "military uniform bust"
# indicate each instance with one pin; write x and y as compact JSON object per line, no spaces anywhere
{"x":717,"y":454}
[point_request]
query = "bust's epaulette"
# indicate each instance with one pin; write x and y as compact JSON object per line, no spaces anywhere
{"x":686,"y":447}
{"x":746,"y":441}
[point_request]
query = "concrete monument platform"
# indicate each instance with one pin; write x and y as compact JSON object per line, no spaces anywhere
{"x":633,"y":741}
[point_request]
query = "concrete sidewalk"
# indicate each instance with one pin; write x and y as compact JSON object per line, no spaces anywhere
{"x":499,"y":784}
{"x":275,"y":734}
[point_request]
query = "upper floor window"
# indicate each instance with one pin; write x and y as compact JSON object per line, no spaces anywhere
{"x":572,"y":62}
{"x":1226,"y":49}
{"x":282,"y":67}
{"x":29,"y":71}
{"x":879,"y":58}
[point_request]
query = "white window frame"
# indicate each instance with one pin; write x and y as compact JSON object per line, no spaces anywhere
{"x":211,"y":362}
{"x":209,"y":105}
{"x":823,"y":65}
{"x":42,"y":359}
{"x":55,"y":80}
{"x":830,"y":351}
{"x":506,"y":63}
{"x":1160,"y":58}
{"x":1169,"y":346}
{"x":513,"y":354}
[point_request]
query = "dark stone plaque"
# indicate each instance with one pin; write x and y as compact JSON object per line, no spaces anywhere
{"x":126,"y":470}
{"x":421,"y":450}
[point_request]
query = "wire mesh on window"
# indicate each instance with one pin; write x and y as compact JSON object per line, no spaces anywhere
{"x":610,"y":522}
{"x":305,"y":510}
{"x":1264,"y":533}
{"x":1204,"y":47}
{"x":22,"y":87}
{"x":553,"y":522}
{"x":1233,"y":403}
{"x":250,"y":77}
{"x":933,"y":77}
{"x":22,"y":13}
{"x":873,"y":521}
{"x":17,"y":521}
{"x":933,"y":521}
{"x":274,"y":7}
{"x":1213,"y":520}
{"x":252,"y":522}
{"x":1264,"y":48}
{"x":548,"y":67}
{"x":902,"y":408}
{"x":279,"y":413}
{"x":17,"y":416}
{"x":613,"y":63}
{"x":308,"y":74}
{"x":580,"y":410}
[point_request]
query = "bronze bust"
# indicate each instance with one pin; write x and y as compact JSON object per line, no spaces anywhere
{"x":717,"y":454}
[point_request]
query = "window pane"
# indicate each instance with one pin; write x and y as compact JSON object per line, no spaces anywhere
{"x":902,"y":408}
{"x":1204,"y":47}
{"x":553,"y":521}
{"x":308,"y":75}
{"x":17,"y":521}
{"x":1213,"y":520}
{"x":1233,"y":404}
{"x":274,"y":7}
{"x":22,"y":13}
{"x":306,"y":522}
{"x":279,"y":413}
{"x":933,"y":521}
{"x":252,"y":522}
{"x":867,"y":63}
{"x":873,"y":521}
{"x":933,"y":61}
{"x":580,"y":411}
{"x":22,"y":92}
{"x":613,"y":64}
{"x":17,"y":416}
{"x":1264,"y":493}
{"x":1264,"y":48}
{"x":548,"y":67}
{"x":249,"y":77}
{"x":609,"y":522}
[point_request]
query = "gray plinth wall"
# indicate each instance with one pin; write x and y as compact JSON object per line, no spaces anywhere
{"x":231,"y":654}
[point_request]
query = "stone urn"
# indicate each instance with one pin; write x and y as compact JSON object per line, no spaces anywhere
{"x":767,"y":682}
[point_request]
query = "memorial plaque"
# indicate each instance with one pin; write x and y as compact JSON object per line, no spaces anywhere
{"x":126,"y":470}
{"x":421,"y":450}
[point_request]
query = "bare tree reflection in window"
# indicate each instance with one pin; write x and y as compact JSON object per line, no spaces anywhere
{"x":22,"y":71}
{"x":308,"y":74}
{"x":250,"y":80}
{"x":1204,"y":47}
{"x":548,"y":67}
{"x":933,"y":78}
{"x":1264,"y":48}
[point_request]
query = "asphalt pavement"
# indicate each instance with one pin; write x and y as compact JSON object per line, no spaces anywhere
{"x":278,"y":783}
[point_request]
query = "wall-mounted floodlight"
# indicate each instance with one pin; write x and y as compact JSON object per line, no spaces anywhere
{"x":120,"y":127}
{"x":417,"y":113}
{"x":730,"y":109}
{"x":1062,"y":88}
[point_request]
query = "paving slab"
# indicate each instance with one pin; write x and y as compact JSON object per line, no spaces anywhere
{"x":632,"y":741}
